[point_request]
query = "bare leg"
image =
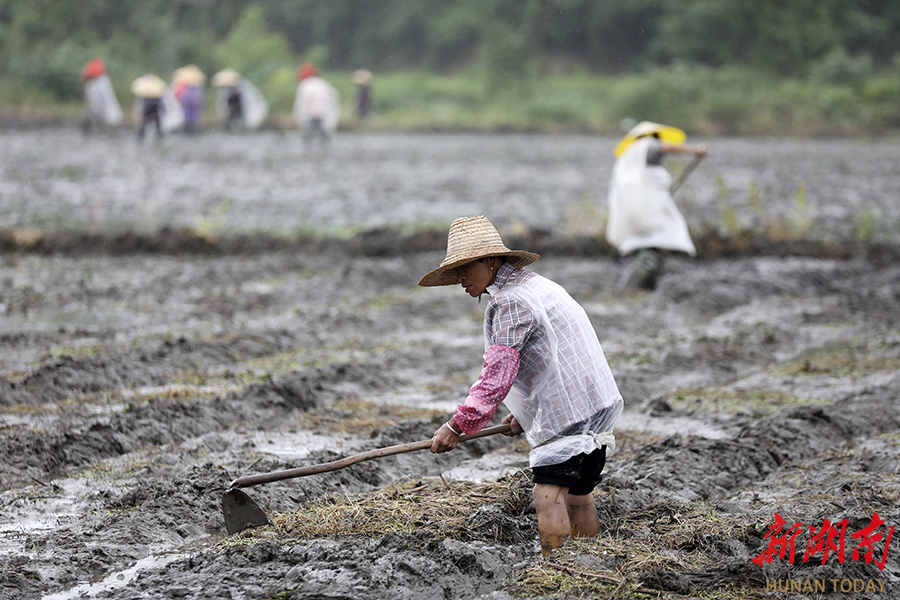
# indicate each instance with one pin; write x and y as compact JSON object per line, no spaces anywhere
{"x":553,"y":515}
{"x":583,"y":515}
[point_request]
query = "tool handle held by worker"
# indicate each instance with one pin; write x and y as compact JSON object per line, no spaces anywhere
{"x":684,"y":173}
{"x":251,"y":480}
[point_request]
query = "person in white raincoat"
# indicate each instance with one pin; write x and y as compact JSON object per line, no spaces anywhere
{"x":103,"y":108}
{"x":240,"y":104}
{"x":156,"y":105}
{"x":317,"y":106}
{"x":643,"y":217}
{"x":543,"y":361}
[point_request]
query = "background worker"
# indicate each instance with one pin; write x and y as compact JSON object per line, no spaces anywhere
{"x":103,"y":109}
{"x":644,"y":220}
{"x":317,"y":106}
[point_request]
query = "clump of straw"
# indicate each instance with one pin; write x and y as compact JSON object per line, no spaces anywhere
{"x":447,"y":509}
{"x":664,"y":547}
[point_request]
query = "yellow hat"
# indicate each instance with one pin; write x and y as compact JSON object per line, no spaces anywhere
{"x":669,"y":135}
{"x":471,"y":238}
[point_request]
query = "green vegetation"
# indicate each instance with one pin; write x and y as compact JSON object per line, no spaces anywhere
{"x":691,"y":95}
{"x":84,"y":351}
{"x":758,"y":403}
{"x":844,"y":360}
{"x":747,"y":67}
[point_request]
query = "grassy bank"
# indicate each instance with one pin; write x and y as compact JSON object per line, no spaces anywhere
{"x":727,"y":101}
{"x":841,"y":100}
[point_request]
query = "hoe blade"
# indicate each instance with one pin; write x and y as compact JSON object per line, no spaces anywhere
{"x":241,"y":512}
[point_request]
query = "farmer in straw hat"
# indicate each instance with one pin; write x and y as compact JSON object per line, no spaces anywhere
{"x":188,"y":86}
{"x":149,"y":106}
{"x":543,"y":359}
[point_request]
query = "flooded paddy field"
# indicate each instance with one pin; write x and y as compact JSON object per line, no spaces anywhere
{"x":138,"y":378}
{"x":56,"y":179}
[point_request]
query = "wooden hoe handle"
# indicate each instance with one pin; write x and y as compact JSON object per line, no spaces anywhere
{"x":251,"y":480}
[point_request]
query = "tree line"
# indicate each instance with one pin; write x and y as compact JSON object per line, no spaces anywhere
{"x":42,"y":42}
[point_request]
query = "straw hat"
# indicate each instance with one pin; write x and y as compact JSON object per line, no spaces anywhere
{"x":149,"y":86}
{"x":226,"y":78}
{"x":191,"y":74}
{"x":362,"y":76}
{"x":669,"y":135}
{"x":471,"y":238}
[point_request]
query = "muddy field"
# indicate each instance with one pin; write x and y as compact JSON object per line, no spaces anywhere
{"x":171,"y":318}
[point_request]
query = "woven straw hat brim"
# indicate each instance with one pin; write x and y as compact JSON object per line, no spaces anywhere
{"x":149,"y":86}
{"x":362,"y":76}
{"x":446,"y":273}
{"x":191,"y":74}
{"x":226,"y":78}
{"x":471,"y":238}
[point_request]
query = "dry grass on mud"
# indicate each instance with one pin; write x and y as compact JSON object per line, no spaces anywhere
{"x":668,"y":544}
{"x":647,"y":553}
{"x":436,"y":506}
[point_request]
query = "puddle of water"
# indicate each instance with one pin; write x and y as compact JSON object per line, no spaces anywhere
{"x":298,"y":445}
{"x":490,"y":467}
{"x":414,"y":398}
{"x":666,"y":426}
{"x":119,"y":579}
{"x":38,"y":508}
{"x":87,"y":321}
{"x":114,"y":580}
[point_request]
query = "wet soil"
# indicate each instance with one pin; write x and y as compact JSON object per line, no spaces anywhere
{"x":153,"y":349}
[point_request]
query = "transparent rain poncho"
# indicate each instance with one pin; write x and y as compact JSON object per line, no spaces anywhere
{"x":171,"y":116}
{"x":254,"y":105}
{"x":564,"y":379}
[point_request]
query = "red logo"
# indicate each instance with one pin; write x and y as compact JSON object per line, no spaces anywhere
{"x":827,"y":540}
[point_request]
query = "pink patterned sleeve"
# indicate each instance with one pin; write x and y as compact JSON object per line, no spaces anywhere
{"x":501,"y":365}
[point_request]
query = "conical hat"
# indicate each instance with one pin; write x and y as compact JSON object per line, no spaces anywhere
{"x":471,"y":238}
{"x":669,"y":135}
{"x":362,"y":76}
{"x":149,"y":86}
{"x":190,"y":74}
{"x":226,"y":78}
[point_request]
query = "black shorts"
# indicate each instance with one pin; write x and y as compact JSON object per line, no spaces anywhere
{"x":580,"y":474}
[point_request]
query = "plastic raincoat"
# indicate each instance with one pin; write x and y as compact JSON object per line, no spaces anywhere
{"x":564,"y":379}
{"x":642,"y":212}
{"x":317,"y":99}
